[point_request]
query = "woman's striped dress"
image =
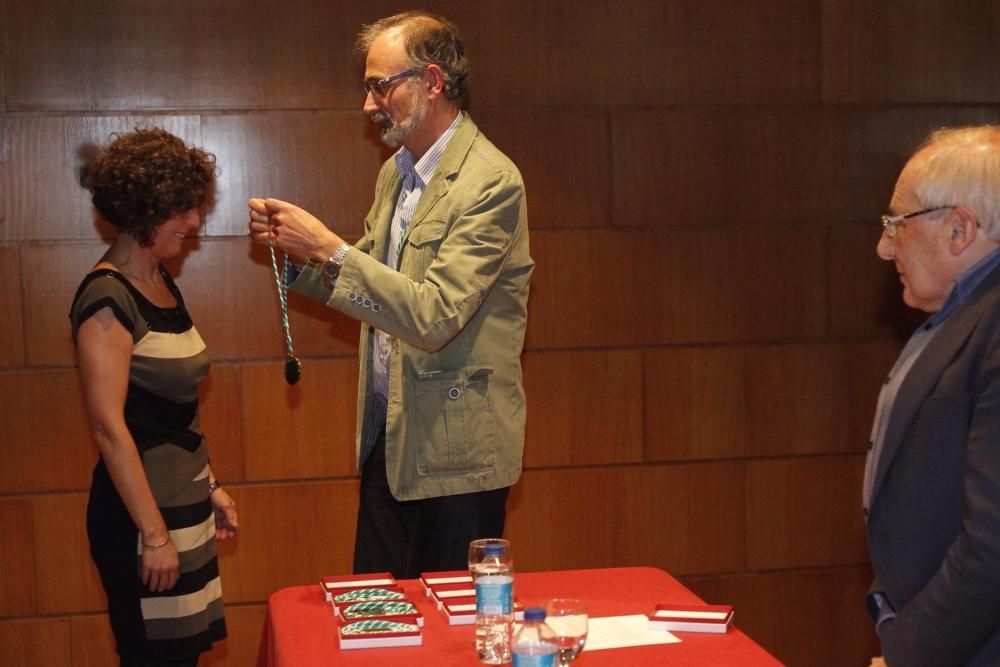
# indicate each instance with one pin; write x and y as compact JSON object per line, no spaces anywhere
{"x":169,"y":360}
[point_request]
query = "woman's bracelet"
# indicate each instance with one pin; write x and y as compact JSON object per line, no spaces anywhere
{"x":156,"y":546}
{"x":212,"y":486}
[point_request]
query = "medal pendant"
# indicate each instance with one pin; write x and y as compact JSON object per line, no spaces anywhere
{"x":293,"y":370}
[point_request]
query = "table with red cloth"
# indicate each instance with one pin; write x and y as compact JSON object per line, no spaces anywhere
{"x":300,"y":629}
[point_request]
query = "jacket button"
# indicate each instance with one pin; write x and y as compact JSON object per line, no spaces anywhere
{"x":367,"y":303}
{"x":377,"y":307}
{"x":454,"y":393}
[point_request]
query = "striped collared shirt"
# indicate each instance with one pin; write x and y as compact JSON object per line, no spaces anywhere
{"x":415,"y":176}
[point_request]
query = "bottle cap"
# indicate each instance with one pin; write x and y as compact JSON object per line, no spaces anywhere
{"x":534,"y":614}
{"x":493,"y":550}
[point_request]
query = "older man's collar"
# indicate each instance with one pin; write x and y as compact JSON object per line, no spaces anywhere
{"x":965,"y":283}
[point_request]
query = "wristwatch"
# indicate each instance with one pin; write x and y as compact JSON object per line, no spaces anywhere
{"x":331,"y":267}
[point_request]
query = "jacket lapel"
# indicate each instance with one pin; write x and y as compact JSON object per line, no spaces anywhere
{"x":927,"y":370}
{"x":451,"y":160}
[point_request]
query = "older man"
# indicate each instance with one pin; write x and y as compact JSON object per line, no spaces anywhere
{"x":440,"y":281}
{"x":932,"y":480}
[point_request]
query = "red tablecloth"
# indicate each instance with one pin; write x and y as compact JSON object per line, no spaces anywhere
{"x":300,"y":629}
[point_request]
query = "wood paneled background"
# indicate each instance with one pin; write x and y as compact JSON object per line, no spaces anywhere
{"x":708,"y":321}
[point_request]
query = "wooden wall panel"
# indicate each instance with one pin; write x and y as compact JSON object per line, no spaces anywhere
{"x":46,"y":200}
{"x":565,"y":268}
{"x":305,"y":431}
{"x":290,"y":534}
{"x":798,"y":400}
{"x":866,"y":297}
{"x":564,"y":157}
{"x":86,"y":640}
{"x":956,"y":61}
{"x":6,"y":127}
{"x":695,"y":403}
{"x":584,"y":408}
{"x":685,"y":518}
{"x":220,"y":413}
{"x":119,"y":57}
{"x":596,"y":53}
{"x":556,"y":520}
{"x":805,"y":512}
{"x":740,"y":165}
{"x":46,"y":434}
{"x":51,"y":275}
{"x":681,"y":518}
{"x":3,"y":82}
{"x":92,"y":641}
{"x":123,"y":54}
{"x":229,"y":288}
{"x":36,"y":642}
{"x":762,"y":400}
{"x":11,"y":322}
{"x":765,"y":276}
{"x":324,"y":162}
{"x":17,"y":588}
{"x":803,"y":618}
{"x":66,"y":579}
{"x":654,"y":287}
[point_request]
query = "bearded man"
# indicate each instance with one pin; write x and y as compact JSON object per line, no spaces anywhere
{"x":439,"y":281}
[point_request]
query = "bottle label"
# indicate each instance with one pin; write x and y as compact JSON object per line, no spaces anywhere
{"x":494,"y":595}
{"x":546,"y":660}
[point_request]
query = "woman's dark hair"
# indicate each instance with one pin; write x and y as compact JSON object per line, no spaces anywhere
{"x":146,"y":177}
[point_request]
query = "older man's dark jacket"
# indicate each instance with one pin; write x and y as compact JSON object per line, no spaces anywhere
{"x":934,"y":520}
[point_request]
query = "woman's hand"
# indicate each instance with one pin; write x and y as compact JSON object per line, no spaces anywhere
{"x":160,"y":567}
{"x":226,"y":521}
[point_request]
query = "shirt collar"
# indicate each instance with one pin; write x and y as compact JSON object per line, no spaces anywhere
{"x":965,"y":283}
{"x":424,"y":168}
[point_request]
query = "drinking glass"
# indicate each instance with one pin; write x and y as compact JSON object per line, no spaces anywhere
{"x":568,"y":620}
{"x":477,"y":547}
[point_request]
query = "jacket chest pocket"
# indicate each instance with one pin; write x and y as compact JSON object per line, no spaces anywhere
{"x":421,"y":248}
{"x":453,"y":422}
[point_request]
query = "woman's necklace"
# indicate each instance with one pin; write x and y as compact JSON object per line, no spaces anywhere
{"x":293,"y":367}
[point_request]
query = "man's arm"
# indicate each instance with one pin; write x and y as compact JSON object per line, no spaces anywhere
{"x":468,"y":258}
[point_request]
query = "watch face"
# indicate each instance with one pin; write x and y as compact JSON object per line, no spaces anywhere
{"x":331,"y":270}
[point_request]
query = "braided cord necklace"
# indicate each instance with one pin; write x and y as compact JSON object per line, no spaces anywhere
{"x":293,"y":367}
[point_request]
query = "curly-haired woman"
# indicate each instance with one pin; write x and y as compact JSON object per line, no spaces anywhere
{"x":155,"y":508}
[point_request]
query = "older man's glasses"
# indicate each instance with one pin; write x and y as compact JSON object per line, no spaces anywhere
{"x":381,"y":86}
{"x":891,"y":224}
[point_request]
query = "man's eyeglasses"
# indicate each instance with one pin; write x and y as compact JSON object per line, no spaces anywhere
{"x":891,"y":224}
{"x":381,"y":86}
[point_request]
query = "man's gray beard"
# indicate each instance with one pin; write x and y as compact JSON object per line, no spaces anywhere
{"x":394,"y":135}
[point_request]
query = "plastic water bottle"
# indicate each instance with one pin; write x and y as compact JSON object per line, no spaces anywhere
{"x":494,"y":578}
{"x":535,"y":644}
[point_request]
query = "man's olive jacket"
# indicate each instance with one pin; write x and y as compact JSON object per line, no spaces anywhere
{"x":456,"y":310}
